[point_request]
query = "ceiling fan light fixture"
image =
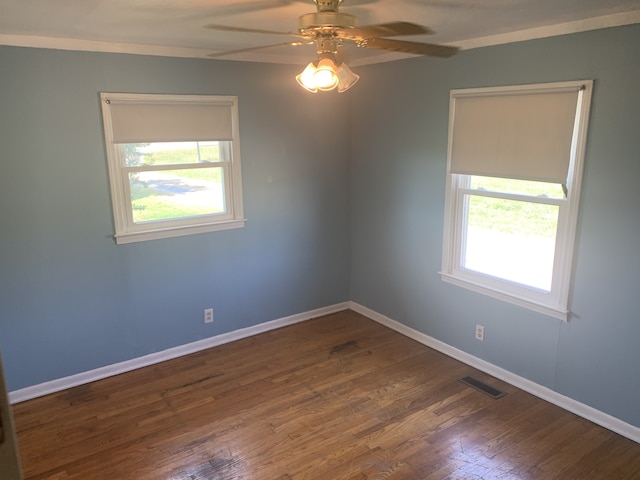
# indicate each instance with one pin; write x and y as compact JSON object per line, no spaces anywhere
{"x":325,"y":76}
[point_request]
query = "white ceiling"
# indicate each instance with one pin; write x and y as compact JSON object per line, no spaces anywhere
{"x":175,"y":27}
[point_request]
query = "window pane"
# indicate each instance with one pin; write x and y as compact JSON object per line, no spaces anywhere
{"x":169,"y":153}
{"x":523,"y":187}
{"x":171,"y":194}
{"x":512,"y":240}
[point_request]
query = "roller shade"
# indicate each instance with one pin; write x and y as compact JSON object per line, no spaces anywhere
{"x":526,"y":136}
{"x":169,"y":122}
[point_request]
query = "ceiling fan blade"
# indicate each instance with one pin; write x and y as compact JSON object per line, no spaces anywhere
{"x":456,"y":4}
{"x":391,"y":29}
{"x":225,"y":28}
{"x":251,"y":49}
{"x":410,"y":47}
{"x":196,"y":10}
{"x":237,"y":8}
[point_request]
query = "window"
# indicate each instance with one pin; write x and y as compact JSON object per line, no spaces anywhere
{"x":174,"y":164}
{"x":513,"y":185}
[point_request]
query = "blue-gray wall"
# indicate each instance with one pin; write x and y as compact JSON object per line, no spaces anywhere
{"x":344,"y":197}
{"x":399,"y":140}
{"x":71,"y":300}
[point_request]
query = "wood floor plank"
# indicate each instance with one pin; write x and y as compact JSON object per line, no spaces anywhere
{"x":338,"y":397}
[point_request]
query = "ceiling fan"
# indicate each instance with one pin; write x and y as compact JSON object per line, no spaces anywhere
{"x":329,"y":29}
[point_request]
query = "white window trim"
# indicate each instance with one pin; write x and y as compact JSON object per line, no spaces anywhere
{"x":554,"y":303}
{"x":126,"y":231}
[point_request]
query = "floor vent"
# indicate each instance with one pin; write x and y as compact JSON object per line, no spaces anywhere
{"x":483,"y":387}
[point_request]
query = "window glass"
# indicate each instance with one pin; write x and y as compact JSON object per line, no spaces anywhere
{"x":511,"y":239}
{"x":197,"y":189}
{"x":171,"y":194}
{"x":525,"y":187}
{"x":170,"y":153}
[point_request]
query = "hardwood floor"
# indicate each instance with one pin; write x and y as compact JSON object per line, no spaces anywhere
{"x":339,"y":397}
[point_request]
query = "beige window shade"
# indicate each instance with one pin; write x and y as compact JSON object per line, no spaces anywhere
{"x":526,"y":136}
{"x":170,"y":122}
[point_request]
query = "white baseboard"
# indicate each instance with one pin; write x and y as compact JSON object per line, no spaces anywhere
{"x":596,"y":416}
{"x":60,"y":384}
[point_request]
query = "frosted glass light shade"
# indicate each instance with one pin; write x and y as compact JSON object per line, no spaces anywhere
{"x":346,"y":78}
{"x":306,"y":78}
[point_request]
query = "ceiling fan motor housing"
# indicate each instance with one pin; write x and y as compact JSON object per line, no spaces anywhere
{"x":310,"y":22}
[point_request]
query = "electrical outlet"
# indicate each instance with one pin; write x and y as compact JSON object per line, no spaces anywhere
{"x":208,"y":315}
{"x":480,"y":332}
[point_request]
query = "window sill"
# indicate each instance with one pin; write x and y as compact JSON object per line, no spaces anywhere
{"x":131,"y":237}
{"x":551,"y":311}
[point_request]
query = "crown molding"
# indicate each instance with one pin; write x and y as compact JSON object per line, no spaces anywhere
{"x":595,"y":23}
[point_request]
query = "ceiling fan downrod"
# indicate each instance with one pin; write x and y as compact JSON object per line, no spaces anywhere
{"x":327,"y":5}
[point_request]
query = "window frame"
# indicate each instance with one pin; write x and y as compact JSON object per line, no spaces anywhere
{"x":555,"y":302}
{"x":126,"y":230}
